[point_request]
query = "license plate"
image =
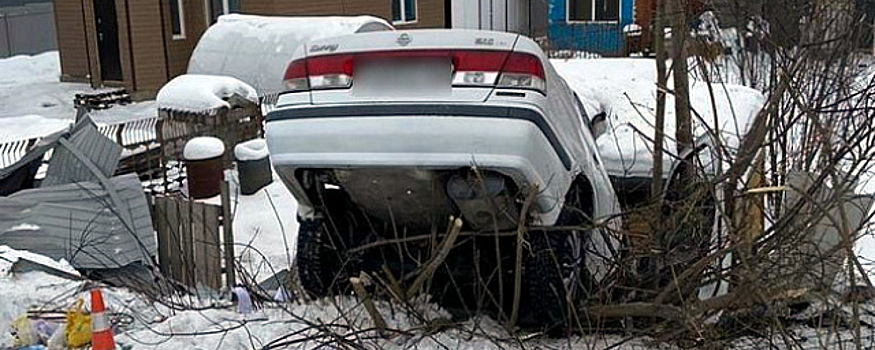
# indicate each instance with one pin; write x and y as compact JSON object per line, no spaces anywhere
{"x":403,"y":76}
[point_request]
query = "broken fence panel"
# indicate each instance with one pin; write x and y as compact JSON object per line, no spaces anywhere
{"x":80,"y":223}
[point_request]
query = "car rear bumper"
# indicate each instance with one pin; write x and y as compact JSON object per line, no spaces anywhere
{"x":516,"y":147}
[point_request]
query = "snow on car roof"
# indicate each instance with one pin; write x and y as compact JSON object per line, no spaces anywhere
{"x":256,"y":49}
{"x":625,"y":89}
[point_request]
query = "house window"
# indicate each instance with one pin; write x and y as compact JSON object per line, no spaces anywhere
{"x":593,"y":10}
{"x":177,"y":19}
{"x":216,"y":8}
{"x":403,"y":11}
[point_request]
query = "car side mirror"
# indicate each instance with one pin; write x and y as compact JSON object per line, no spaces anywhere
{"x":599,"y":125}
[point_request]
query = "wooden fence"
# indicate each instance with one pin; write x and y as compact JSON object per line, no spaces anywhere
{"x":231,"y":125}
{"x":194,"y":239}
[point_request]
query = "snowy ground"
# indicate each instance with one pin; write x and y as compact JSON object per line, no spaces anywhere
{"x":30,"y":88}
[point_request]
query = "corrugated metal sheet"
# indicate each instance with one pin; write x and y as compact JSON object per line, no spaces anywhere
{"x":8,"y":183}
{"x":80,"y":223}
{"x":66,"y":168}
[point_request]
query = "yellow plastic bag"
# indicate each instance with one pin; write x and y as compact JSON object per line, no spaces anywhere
{"x":78,"y":330}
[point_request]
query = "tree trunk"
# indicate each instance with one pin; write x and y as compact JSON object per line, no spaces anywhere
{"x":661,"y":84}
{"x":679,"y":32}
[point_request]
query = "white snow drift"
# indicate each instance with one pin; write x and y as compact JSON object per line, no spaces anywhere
{"x":201,"y":148}
{"x":199,"y":93}
{"x":251,"y":150}
{"x":29,"y":126}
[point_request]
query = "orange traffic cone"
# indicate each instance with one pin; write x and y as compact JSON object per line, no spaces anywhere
{"x":101,"y":333}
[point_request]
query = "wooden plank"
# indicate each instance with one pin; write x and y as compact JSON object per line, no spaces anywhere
{"x":185,"y":223}
{"x":213,"y":267}
{"x":162,"y":226}
{"x":228,"y":235}
{"x":198,"y":261}
{"x":207,"y":259}
{"x":174,"y":222}
{"x":168,"y":237}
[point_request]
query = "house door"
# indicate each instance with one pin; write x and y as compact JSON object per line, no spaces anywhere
{"x":106,"y":24}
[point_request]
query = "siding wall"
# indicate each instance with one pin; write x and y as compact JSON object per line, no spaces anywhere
{"x":124,"y":44}
{"x":71,"y":39}
{"x":147,"y":50}
{"x":179,"y":50}
{"x":431,"y":12}
{"x":91,"y":42}
{"x":604,"y":38}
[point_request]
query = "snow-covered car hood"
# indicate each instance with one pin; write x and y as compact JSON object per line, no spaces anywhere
{"x":625,"y":90}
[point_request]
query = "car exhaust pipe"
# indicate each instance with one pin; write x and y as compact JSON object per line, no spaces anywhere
{"x":485,"y":201}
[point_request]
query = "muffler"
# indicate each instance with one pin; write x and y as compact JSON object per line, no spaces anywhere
{"x":485,"y":201}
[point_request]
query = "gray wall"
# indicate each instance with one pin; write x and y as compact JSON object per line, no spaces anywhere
{"x":27,"y":29}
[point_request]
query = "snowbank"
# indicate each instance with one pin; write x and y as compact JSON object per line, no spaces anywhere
{"x":199,"y":93}
{"x":44,"y":67}
{"x":200,"y":148}
{"x":29,"y":126}
{"x":31,"y":86}
{"x":251,"y":150}
{"x":625,"y":90}
{"x":9,"y":256}
{"x":257,"y":49}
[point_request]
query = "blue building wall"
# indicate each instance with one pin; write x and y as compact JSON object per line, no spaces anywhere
{"x":603,"y":38}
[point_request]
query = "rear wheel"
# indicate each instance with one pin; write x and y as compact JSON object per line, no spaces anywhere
{"x":324,"y":264}
{"x":320,"y":262}
{"x":556,"y":278}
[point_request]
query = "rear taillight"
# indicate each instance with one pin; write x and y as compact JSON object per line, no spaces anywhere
{"x":321,"y":72}
{"x":500,"y":69}
{"x":522,"y":71}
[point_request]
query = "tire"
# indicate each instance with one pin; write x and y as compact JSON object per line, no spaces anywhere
{"x":324,"y":266}
{"x":554,"y":279}
{"x":555,"y":274}
{"x":320,"y":263}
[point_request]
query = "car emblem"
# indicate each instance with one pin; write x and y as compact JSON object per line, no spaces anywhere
{"x":404,"y":39}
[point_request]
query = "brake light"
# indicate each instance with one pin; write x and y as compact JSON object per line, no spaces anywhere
{"x":522,"y":71}
{"x":320,"y":72}
{"x":501,"y":69}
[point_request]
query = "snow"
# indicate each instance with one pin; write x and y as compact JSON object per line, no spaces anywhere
{"x":251,"y":150}
{"x":29,"y":126}
{"x":34,"y":102}
{"x":199,"y":93}
{"x":625,"y":89}
{"x":201,"y":148}
{"x":23,"y":227}
{"x":265,"y":227}
{"x":125,"y":113}
{"x":8,"y":256}
{"x":257,"y":49}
